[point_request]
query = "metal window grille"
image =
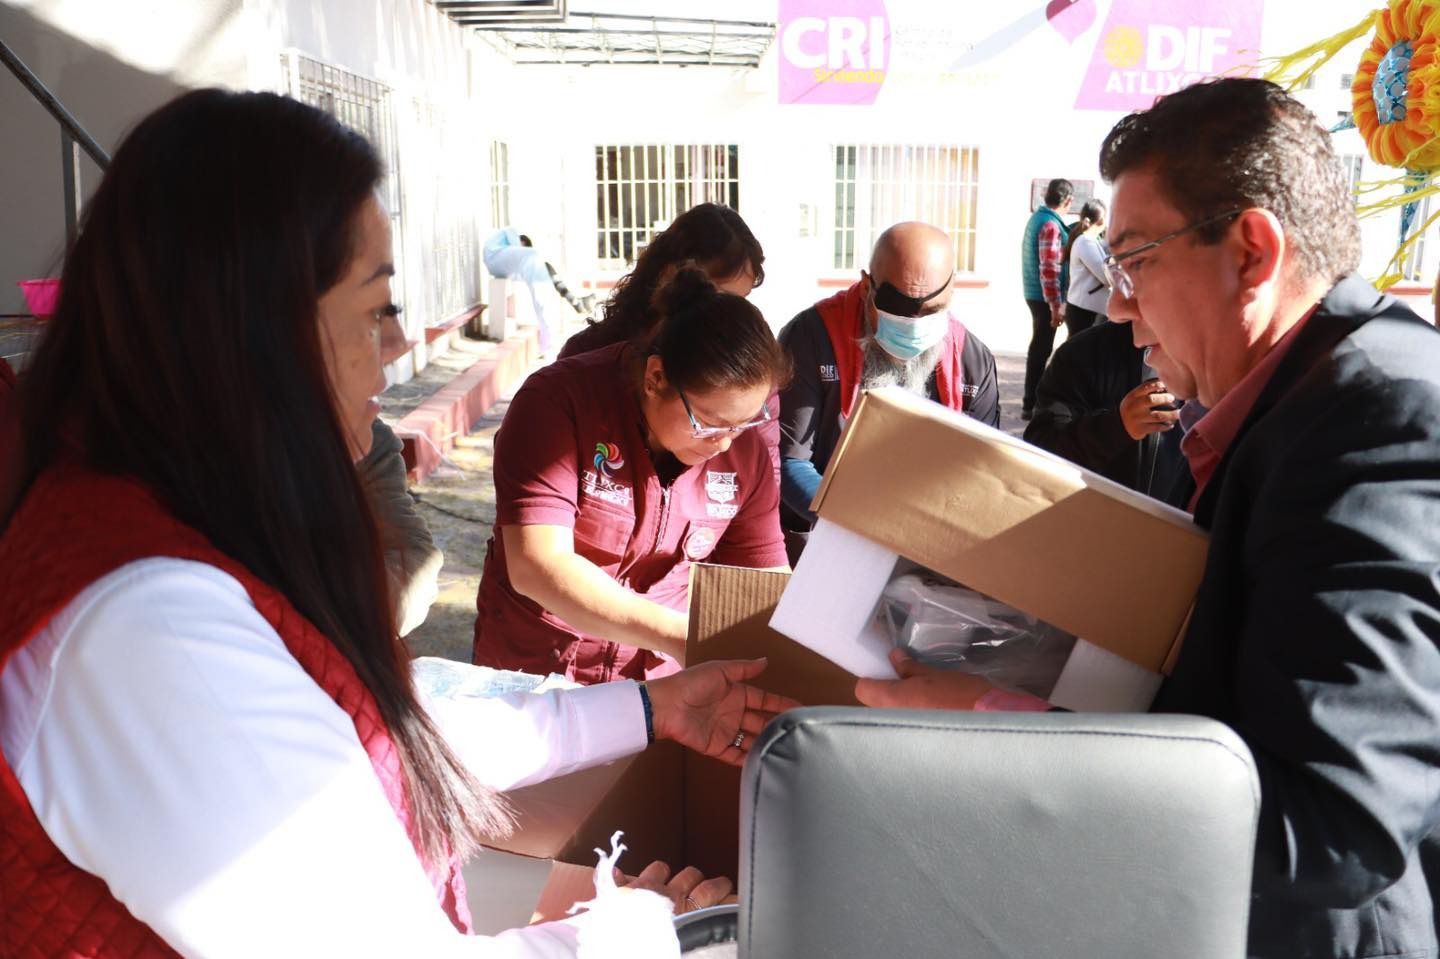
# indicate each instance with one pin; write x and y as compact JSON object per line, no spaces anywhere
{"x":440,"y":232}
{"x":499,"y":184}
{"x":363,"y":105}
{"x":641,"y":188}
{"x":1413,"y":268}
{"x":877,"y":185}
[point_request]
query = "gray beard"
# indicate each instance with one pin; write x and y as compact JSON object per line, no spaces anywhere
{"x":882,"y":369}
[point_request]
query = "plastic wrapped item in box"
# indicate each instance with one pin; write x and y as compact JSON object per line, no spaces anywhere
{"x":944,"y":624}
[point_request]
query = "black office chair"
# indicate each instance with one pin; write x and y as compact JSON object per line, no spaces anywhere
{"x":884,"y":833}
{"x":708,"y":933}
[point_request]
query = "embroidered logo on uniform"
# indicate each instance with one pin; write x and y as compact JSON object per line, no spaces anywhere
{"x":721,"y":487}
{"x":603,"y":487}
{"x":607,"y":458}
{"x":721,"y":510}
{"x":699,"y":543}
{"x":828,"y":373}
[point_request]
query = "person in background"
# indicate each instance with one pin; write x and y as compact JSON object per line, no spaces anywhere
{"x":1089,"y":288}
{"x":211,"y":743}
{"x":893,"y":327}
{"x":580,"y":304}
{"x":506,"y":256}
{"x":1042,"y":269}
{"x":1101,"y":407}
{"x":712,"y":236}
{"x":715,"y":238}
{"x":412,"y":560}
{"x":1316,"y":629}
{"x":614,"y":471}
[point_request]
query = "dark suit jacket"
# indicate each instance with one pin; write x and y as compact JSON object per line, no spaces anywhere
{"x":1077,"y":412}
{"x":1316,"y":626}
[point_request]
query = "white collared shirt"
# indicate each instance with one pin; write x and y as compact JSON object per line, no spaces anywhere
{"x":169,"y":743}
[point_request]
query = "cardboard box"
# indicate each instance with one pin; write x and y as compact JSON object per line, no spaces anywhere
{"x":915,"y":480}
{"x":672,"y":804}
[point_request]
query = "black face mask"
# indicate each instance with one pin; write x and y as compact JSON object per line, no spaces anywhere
{"x":892,"y":301}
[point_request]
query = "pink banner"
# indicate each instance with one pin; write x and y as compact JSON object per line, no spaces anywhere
{"x":833,"y":51}
{"x":1152,"y":47}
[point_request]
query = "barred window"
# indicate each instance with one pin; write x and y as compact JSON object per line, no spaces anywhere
{"x":363,"y":105}
{"x":360,"y":103}
{"x":639,"y":189}
{"x":440,"y":236}
{"x":430,"y":198}
{"x":878,"y":185}
{"x":499,"y":184}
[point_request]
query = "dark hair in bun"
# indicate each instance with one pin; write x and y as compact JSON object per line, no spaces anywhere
{"x":708,"y":339}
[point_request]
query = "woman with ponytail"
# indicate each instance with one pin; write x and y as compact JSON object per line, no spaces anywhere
{"x":618,"y":468}
{"x":709,"y":235}
{"x":210,"y":740}
{"x":1089,"y":286}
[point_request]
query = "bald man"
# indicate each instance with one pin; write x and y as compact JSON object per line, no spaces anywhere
{"x":892,"y":328}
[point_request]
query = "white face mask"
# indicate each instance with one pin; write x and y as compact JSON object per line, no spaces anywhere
{"x":906,"y":337}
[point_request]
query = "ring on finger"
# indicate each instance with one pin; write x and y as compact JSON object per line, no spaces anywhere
{"x":739,"y":739}
{"x":691,"y":904}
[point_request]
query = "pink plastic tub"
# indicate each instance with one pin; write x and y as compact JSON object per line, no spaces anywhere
{"x":41,"y":296}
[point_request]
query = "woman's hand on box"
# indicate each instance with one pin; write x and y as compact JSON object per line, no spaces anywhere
{"x":711,"y":708}
{"x":688,"y":889}
{"x":921,"y":687}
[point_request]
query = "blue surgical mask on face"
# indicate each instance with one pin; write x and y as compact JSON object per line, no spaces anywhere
{"x":906,"y":337}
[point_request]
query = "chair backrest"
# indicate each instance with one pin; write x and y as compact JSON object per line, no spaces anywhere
{"x":884,"y":833}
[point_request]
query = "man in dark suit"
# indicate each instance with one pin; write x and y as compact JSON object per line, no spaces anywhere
{"x":1317,"y":473}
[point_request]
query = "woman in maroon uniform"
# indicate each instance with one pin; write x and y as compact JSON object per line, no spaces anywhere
{"x":616,"y":469}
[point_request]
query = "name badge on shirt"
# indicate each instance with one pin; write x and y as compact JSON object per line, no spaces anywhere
{"x":700,"y":543}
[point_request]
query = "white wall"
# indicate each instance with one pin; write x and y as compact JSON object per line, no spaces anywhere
{"x":112,"y":62}
{"x":1018,"y":114}
{"x":109,"y":67}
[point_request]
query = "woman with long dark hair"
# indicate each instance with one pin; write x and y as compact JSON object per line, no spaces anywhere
{"x":711,"y":236}
{"x":211,"y":742}
{"x":617,"y":469}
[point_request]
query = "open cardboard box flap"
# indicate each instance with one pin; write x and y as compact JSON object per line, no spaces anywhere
{"x":1017,"y":523}
{"x":672,"y":804}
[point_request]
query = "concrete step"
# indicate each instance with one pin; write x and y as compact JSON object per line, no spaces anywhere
{"x":464,"y":379}
{"x":428,"y":430}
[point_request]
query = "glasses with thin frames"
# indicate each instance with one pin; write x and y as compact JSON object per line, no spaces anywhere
{"x":1121,"y":281}
{"x":710,"y":432}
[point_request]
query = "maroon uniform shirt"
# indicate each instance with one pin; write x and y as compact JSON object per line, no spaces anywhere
{"x":572,"y":452}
